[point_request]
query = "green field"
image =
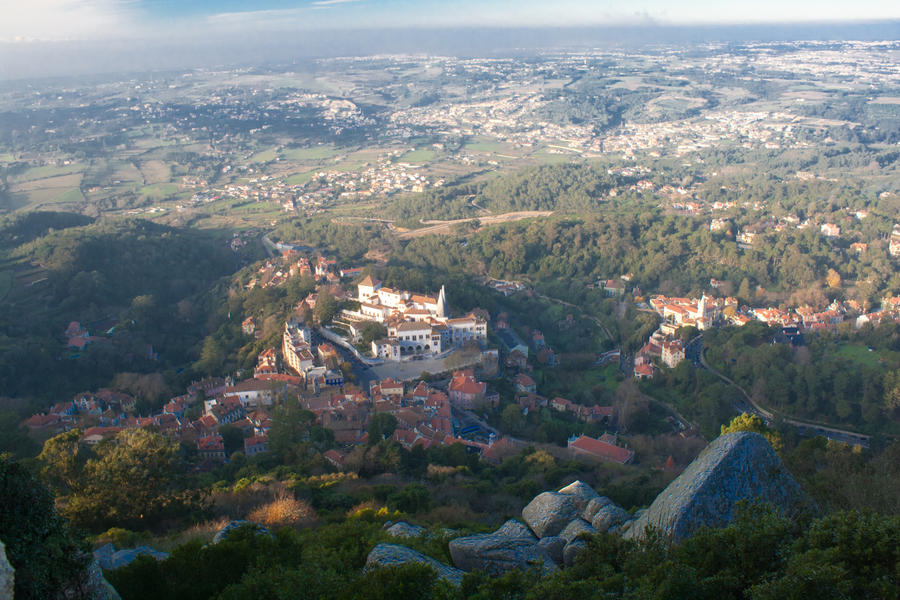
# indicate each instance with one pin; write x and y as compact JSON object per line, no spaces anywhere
{"x":312,"y":153}
{"x":484,"y":146}
{"x":264,"y":156}
{"x":73,"y":195}
{"x":861,"y":355}
{"x":35,"y":173}
{"x":300,"y":178}
{"x":552,"y":158}
{"x":159,"y":190}
{"x":422,"y":155}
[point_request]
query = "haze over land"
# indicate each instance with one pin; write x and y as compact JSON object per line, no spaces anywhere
{"x":327,"y":266}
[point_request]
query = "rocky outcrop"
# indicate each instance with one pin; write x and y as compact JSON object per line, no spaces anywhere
{"x":7,"y":575}
{"x":95,"y":587}
{"x":497,"y":554}
{"x":226,"y":531}
{"x":594,"y":506}
{"x":735,"y":467}
{"x":608,"y":517}
{"x":581,"y":494}
{"x":572,"y":550}
{"x":110,"y":558}
{"x":553,"y":546}
{"x":404,"y":529}
{"x":514,"y":528}
{"x":392,"y":555}
{"x":576,"y":528}
{"x":549,"y":512}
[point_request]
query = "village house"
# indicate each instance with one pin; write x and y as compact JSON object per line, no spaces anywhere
{"x":524,"y":384}
{"x":296,"y":349}
{"x":255,"y":444}
{"x":588,"y":447}
{"x":672,"y":353}
{"x":465,"y":391}
{"x":211,"y":448}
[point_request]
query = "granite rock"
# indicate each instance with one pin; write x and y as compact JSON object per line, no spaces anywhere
{"x":608,"y":517}
{"x":7,"y":575}
{"x":572,"y":550}
{"x":736,"y":466}
{"x":497,"y":554}
{"x":515,"y":528}
{"x":594,"y":506}
{"x":549,"y":512}
{"x":404,"y":529}
{"x":392,"y":555}
{"x":553,"y":546}
{"x":226,"y":531}
{"x":581,"y":494}
{"x":576,"y":528}
{"x":120,"y":558}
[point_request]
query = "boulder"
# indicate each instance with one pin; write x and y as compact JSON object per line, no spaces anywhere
{"x":581,"y":494}
{"x":95,"y":587}
{"x":736,"y":466}
{"x":404,"y":529}
{"x":515,"y":528}
{"x":572,"y":550}
{"x":392,"y":555}
{"x":553,"y":546}
{"x":104,"y":554}
{"x":549,"y":512}
{"x":497,"y":554}
{"x":226,"y":531}
{"x":608,"y":517}
{"x":126,"y":555}
{"x":575,"y":528}
{"x":594,"y":506}
{"x":7,"y":575}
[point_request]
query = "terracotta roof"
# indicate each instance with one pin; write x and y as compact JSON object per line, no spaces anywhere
{"x":603,"y":450}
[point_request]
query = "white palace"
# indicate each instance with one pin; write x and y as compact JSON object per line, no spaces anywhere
{"x":416,"y":324}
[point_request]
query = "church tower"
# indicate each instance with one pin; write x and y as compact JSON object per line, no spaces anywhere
{"x":442,"y":304}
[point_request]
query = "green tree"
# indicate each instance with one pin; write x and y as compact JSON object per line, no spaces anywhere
{"x":326,"y":308}
{"x":46,"y":555}
{"x":62,"y":460}
{"x":133,"y":482}
{"x":232,"y":437}
{"x":748,"y":422}
{"x":371,"y":331}
{"x":381,"y":426}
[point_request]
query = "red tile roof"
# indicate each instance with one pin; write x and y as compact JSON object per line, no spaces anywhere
{"x":602,"y":450}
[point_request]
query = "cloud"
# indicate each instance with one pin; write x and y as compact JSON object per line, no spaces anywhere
{"x":323,"y":3}
{"x":61,"y":20}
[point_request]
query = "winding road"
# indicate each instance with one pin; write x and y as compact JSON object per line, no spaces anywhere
{"x":832,"y":433}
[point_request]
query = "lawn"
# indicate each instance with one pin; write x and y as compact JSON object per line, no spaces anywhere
{"x":860,"y":354}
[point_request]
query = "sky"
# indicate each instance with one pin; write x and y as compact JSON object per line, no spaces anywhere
{"x":24,"y":21}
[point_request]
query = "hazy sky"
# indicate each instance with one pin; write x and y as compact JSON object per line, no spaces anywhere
{"x":60,"y":20}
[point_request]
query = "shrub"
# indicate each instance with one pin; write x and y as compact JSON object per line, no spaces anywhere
{"x":284,"y":510}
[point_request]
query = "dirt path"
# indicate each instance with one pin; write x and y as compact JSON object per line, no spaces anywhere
{"x":444,"y":227}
